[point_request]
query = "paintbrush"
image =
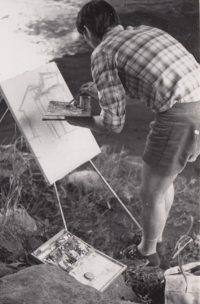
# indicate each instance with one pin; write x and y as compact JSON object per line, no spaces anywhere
{"x":79,"y":94}
{"x":68,"y":104}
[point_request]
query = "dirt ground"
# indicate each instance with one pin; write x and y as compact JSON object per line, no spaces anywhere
{"x":35,"y":32}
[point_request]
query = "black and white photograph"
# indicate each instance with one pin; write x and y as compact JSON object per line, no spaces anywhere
{"x":99,"y":152}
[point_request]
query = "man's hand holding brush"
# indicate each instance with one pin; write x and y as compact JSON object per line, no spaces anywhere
{"x":90,"y":89}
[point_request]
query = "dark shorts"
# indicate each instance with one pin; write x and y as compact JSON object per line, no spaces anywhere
{"x":174,"y":138}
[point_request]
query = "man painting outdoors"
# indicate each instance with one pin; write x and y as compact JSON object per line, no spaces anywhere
{"x":148,"y":64}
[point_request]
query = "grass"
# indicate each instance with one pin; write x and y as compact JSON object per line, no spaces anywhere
{"x":87,"y":211}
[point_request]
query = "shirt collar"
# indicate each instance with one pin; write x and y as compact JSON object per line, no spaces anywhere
{"x":112,"y":30}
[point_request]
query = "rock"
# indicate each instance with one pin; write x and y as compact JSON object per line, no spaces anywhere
{"x":86,"y":180}
{"x":18,"y":217}
{"x":119,"y":290}
{"x":44,"y":284}
{"x":4,"y":270}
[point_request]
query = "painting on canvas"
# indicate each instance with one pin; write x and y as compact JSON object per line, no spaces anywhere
{"x":57,"y":146}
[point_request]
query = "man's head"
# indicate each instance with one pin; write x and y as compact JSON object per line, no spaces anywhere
{"x":97,"y":17}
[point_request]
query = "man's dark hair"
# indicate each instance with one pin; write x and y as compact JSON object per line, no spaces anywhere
{"x":97,"y":16}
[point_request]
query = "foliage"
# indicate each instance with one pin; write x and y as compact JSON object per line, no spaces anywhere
{"x":94,"y":215}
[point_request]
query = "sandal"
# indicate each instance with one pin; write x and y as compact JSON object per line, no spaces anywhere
{"x":132,"y":253}
{"x":135,"y":238}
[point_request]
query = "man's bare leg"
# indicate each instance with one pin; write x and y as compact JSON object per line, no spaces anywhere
{"x":169,"y":198}
{"x":157,"y":197}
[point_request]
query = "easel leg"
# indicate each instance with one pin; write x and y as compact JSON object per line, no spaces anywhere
{"x":60,"y":206}
{"x":4,"y":115}
{"x":113,"y":192}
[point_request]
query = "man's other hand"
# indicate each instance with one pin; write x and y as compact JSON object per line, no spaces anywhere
{"x":89,"y":88}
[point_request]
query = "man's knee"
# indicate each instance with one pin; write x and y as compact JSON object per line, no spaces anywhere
{"x":150,"y":195}
{"x":144,"y":194}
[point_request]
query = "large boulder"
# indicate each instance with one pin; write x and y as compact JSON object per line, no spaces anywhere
{"x":44,"y":284}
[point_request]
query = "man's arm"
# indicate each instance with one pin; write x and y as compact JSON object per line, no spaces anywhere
{"x":111,"y":94}
{"x":93,"y":123}
{"x":110,"y":89}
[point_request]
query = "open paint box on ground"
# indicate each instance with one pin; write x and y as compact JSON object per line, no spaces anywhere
{"x":86,"y":264}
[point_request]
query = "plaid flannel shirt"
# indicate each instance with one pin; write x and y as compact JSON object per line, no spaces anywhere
{"x":145,"y":63}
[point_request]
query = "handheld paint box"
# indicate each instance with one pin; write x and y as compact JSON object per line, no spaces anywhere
{"x":86,"y":264}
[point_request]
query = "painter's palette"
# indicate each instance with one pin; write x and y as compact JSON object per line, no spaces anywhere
{"x":86,"y":264}
{"x":59,"y":109}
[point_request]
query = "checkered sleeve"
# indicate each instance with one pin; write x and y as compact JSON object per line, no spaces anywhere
{"x":110,"y":90}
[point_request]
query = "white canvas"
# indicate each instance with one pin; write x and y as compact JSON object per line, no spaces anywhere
{"x":57,"y":146}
